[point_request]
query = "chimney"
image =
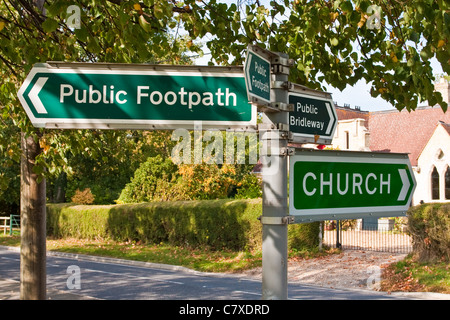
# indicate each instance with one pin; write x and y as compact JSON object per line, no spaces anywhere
{"x":443,"y":86}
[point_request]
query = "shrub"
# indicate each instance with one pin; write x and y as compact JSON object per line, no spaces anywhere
{"x":160,"y":179}
{"x":304,"y":236}
{"x":230,"y":224}
{"x":218,"y":224}
{"x":83,"y":197}
{"x":152,"y":181}
{"x":207,"y":181}
{"x":429,"y":225}
{"x":250,"y":188}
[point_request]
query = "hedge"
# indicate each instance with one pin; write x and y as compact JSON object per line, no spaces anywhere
{"x":429,"y":226}
{"x":218,"y":224}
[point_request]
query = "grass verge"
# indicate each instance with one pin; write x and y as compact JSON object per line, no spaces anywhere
{"x":411,"y":276}
{"x":203,"y":259}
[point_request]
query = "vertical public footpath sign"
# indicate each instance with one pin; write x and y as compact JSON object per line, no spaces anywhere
{"x":257,"y":71}
{"x":136,"y":96}
{"x":334,"y":185}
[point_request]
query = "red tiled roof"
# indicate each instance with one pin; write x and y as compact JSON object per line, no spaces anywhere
{"x":347,"y":113}
{"x":404,"y":132}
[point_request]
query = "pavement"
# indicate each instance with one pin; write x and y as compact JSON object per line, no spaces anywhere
{"x":10,"y":289}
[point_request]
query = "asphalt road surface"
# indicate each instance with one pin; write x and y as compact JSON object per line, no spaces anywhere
{"x":116,"y":280}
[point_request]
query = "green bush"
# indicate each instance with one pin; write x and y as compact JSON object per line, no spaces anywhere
{"x":304,"y":236}
{"x":78,"y":221}
{"x":429,"y":225}
{"x":218,"y":224}
{"x":151,"y":181}
{"x":158,"y":179}
{"x":251,"y":187}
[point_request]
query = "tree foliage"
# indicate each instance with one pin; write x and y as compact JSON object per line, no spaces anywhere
{"x":108,"y":168}
{"x":109,"y":31}
{"x":387,"y":43}
{"x":159,"y":179}
{"x":152,"y":181}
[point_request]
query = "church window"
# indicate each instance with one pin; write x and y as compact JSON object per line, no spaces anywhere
{"x":447,"y":183}
{"x":435,"y":184}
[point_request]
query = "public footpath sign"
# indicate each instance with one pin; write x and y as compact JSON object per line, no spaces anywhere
{"x":313,"y":119}
{"x":257,"y":70}
{"x":136,"y":96}
{"x":333,"y":185}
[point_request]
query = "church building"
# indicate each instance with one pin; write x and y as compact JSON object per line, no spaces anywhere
{"x":424,"y":134}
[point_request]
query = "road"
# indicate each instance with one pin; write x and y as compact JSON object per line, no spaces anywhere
{"x":115,"y":279}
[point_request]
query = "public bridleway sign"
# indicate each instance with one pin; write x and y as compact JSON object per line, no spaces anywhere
{"x":136,"y":96}
{"x":334,"y":185}
{"x":313,"y":118}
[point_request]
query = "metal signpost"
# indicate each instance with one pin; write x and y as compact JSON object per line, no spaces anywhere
{"x":132,"y":96}
{"x":335,"y":185}
{"x":275,"y":162}
{"x":324,"y":185}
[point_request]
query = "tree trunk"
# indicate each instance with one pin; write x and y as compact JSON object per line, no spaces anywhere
{"x":33,"y":228}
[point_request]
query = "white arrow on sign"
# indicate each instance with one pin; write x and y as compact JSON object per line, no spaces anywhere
{"x":406,"y":184}
{"x":34,"y":95}
{"x":330,"y":114}
{"x":247,"y":71}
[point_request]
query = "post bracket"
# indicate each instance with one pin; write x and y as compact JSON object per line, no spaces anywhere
{"x":276,"y":220}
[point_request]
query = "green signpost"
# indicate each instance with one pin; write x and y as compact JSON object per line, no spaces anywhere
{"x":334,"y":185}
{"x":124,"y":96}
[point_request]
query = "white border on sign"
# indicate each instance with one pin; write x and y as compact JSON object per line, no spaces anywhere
{"x":253,"y":96}
{"x":352,"y":157}
{"x":310,"y":138}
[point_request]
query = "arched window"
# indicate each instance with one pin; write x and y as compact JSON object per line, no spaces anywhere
{"x":447,"y":184}
{"x":435,"y":184}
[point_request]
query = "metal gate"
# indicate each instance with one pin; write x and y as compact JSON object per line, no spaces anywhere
{"x":387,"y":235}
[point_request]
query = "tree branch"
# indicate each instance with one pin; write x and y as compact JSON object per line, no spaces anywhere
{"x":8,"y":64}
{"x":174,"y":8}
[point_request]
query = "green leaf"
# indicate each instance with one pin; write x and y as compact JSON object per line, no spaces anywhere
{"x":82,"y":34}
{"x":414,"y":36}
{"x":158,"y":11}
{"x":426,"y":53}
{"x":144,"y":24}
{"x":38,"y":169}
{"x":57,"y":7}
{"x":334,"y":42}
{"x":93,"y":45}
{"x":49,"y":25}
{"x":347,"y":6}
